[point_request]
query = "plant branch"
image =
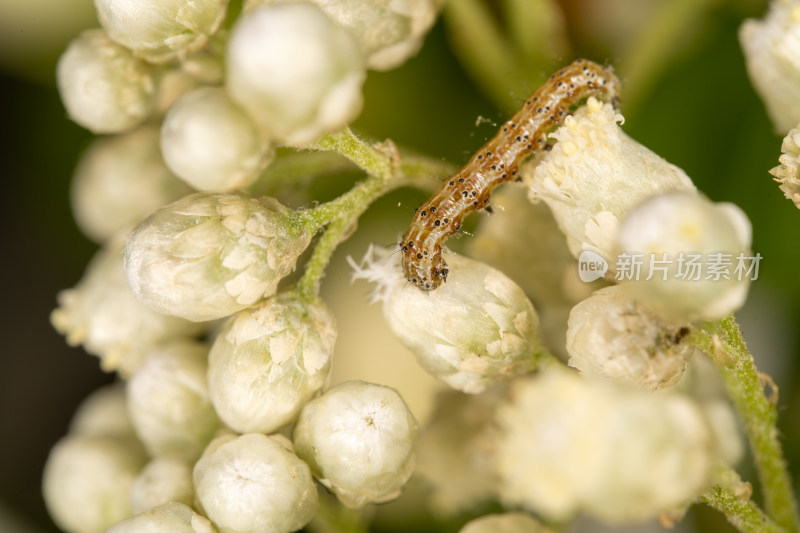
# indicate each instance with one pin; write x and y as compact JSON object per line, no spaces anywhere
{"x":731,"y":496}
{"x":386,"y":172}
{"x":724,"y":342}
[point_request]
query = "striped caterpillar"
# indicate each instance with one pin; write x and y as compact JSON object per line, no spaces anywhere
{"x":496,"y":162}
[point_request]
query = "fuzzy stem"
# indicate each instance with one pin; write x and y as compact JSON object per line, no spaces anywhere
{"x":374,"y":162}
{"x":335,"y":233}
{"x":723,"y":341}
{"x":386,"y":173}
{"x":731,"y":496}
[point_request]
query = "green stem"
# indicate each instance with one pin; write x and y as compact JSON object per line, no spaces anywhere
{"x":335,"y":233}
{"x":723,"y":341}
{"x":731,"y":496}
{"x":371,"y":160}
{"x":386,"y":173}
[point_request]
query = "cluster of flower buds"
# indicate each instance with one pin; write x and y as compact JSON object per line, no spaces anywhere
{"x":223,"y":419}
{"x":621,"y":204}
{"x":192,"y":99}
{"x":228,"y":88}
{"x":602,"y":444}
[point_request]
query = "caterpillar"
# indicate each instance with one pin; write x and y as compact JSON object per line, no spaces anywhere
{"x":496,"y":162}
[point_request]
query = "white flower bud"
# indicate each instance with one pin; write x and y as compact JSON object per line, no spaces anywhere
{"x":389,"y":32}
{"x":610,"y":334}
{"x":268,"y":361}
{"x":87,"y":480}
{"x":621,"y":455}
{"x":477,"y":329}
{"x":772,"y":54}
{"x":544,"y":267}
{"x":172,"y":517}
{"x":102,"y":314}
{"x":121,"y":180}
{"x":788,"y":172}
{"x":210,"y":143}
{"x":161,"y":481}
{"x":103,"y":86}
{"x":670,"y":233}
{"x":208,"y":256}
{"x":595,"y":174}
{"x":504,"y":523}
{"x":358,"y":439}
{"x":456,"y":449}
{"x":254,"y":484}
{"x":295,"y":71}
{"x":158,"y":30}
{"x":169,"y":403}
{"x":104,"y":412}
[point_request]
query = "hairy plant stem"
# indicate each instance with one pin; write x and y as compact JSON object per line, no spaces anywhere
{"x":386,"y":172}
{"x":731,"y":496}
{"x":723,"y":341}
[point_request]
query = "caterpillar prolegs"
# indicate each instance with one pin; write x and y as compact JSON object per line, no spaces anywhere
{"x":496,"y":162}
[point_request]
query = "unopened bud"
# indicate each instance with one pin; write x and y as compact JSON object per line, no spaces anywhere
{"x":103,"y":86}
{"x":477,"y":329}
{"x":207,"y":256}
{"x":254,"y":484}
{"x":268,"y":361}
{"x":358,"y":439}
